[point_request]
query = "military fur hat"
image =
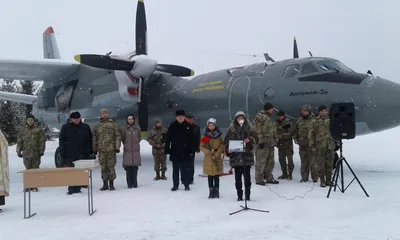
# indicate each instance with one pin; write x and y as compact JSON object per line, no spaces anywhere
{"x":322,"y":107}
{"x":157,"y":120}
{"x":306,"y":108}
{"x":180,"y":113}
{"x":75,"y":115}
{"x":104,"y":110}
{"x":281,"y":113}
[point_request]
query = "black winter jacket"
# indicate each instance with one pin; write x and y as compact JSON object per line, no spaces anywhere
{"x":75,"y":142}
{"x":181,"y":141}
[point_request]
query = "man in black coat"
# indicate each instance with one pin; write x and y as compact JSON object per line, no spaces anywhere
{"x":180,"y":145}
{"x":196,"y":129}
{"x":75,"y":143}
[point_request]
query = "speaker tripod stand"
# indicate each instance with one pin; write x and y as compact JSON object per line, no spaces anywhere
{"x":339,"y":167}
{"x":245,"y":208}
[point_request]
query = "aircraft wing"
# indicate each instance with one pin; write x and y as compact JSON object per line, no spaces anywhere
{"x":18,"y":97}
{"x":36,"y":70}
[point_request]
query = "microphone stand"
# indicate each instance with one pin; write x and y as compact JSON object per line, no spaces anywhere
{"x":245,"y":208}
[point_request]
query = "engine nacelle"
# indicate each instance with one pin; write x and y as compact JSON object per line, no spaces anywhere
{"x":143,"y":67}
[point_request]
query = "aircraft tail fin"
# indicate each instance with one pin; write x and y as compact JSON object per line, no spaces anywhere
{"x":50,"y":47}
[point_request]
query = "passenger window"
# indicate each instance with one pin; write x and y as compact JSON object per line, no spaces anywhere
{"x":291,"y":71}
{"x":309,"y":68}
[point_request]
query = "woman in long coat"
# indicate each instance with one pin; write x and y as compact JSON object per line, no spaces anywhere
{"x":212,"y":145}
{"x":4,"y":170}
{"x":131,"y":136}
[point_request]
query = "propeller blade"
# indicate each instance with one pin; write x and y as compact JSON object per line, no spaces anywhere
{"x":295,"y":50}
{"x":175,"y":70}
{"x":104,"y":62}
{"x":143,"y":108}
{"x":141,"y":29}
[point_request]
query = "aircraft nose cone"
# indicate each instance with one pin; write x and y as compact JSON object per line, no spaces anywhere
{"x":381,"y":104}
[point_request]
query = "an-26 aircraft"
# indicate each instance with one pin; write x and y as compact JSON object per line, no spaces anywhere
{"x":135,"y":83}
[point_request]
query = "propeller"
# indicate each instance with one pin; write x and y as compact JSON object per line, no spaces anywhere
{"x":140,"y":66}
{"x":295,"y":50}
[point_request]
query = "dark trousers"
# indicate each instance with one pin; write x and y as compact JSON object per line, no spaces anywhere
{"x":191,"y":169}
{"x":213,"y":181}
{"x":69,"y":162}
{"x":131,"y":176}
{"x":182,"y":166}
{"x":245,"y":171}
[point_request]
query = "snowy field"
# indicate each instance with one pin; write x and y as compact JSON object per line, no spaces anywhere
{"x":152,"y":211}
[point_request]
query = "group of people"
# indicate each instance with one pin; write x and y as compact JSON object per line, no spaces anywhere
{"x":182,"y":140}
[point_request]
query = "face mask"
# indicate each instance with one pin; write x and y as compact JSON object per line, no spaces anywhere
{"x":241,"y":121}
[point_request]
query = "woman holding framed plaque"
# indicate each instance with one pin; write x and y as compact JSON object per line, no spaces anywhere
{"x":240,"y":140}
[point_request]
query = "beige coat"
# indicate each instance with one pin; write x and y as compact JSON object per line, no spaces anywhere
{"x":213,"y":164}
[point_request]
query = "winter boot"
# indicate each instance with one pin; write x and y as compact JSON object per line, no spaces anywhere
{"x":128,"y":177}
{"x":216,"y":192}
{"x":328,"y":180}
{"x":163,"y":177}
{"x":284,"y":175}
{"x":262,"y":183}
{"x":239,"y":191}
{"x":105,"y":186}
{"x":134,"y":177}
{"x":290,"y":177}
{"x":112,"y":188}
{"x":322,"y":184}
{"x":157,"y":176}
{"x":211,"y":194}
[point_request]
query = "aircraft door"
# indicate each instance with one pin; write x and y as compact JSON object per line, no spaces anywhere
{"x":239,"y":96}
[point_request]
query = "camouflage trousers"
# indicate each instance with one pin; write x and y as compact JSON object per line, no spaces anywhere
{"x":107,"y":161}
{"x":324,"y":159}
{"x":265,"y":164}
{"x":308,"y":164}
{"x":160,"y":162}
{"x":31,"y":162}
{"x":283,"y":154}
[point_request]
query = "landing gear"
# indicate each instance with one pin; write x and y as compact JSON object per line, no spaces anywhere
{"x":57,"y":158}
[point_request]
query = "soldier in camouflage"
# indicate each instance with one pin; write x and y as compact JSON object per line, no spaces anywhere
{"x":107,"y":142}
{"x":31,"y":144}
{"x":266,"y":132}
{"x":300,"y":136}
{"x":284,"y":128}
{"x":157,"y":139}
{"x":322,"y":143}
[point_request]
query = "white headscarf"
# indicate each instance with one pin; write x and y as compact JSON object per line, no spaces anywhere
{"x":4,"y":169}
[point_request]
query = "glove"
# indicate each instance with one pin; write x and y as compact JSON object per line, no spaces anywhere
{"x":19,"y":155}
{"x":41,"y":154}
{"x":116,"y":150}
{"x":261,"y":145}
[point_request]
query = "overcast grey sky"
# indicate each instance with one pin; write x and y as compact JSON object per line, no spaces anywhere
{"x":363,"y":34}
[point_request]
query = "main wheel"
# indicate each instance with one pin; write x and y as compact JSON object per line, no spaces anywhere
{"x":57,"y":158}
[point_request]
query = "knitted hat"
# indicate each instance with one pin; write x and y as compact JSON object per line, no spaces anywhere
{"x":306,"y":108}
{"x":157,"y":120}
{"x":322,"y":107}
{"x":104,"y":110}
{"x":212,"y":120}
{"x":268,"y":106}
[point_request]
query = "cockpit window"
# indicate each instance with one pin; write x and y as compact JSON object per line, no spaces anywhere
{"x":328,"y":66}
{"x":291,"y":71}
{"x":308,"y":68}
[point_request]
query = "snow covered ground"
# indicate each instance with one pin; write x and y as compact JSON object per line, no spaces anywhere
{"x":152,"y":211}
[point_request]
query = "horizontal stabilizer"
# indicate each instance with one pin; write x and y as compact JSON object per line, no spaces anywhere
{"x":36,"y":70}
{"x":18,"y":97}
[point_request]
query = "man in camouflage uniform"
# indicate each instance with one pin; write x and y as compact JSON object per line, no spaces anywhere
{"x":157,"y":139}
{"x":300,"y":135}
{"x":31,"y":144}
{"x":284,"y":128}
{"x":107,"y":142}
{"x":266,"y":132}
{"x":322,"y":143}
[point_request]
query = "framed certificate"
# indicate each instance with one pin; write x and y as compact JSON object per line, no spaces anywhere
{"x":236,"y":146}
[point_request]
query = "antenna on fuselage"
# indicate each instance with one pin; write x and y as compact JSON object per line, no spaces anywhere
{"x":268,"y":58}
{"x":309,"y":52}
